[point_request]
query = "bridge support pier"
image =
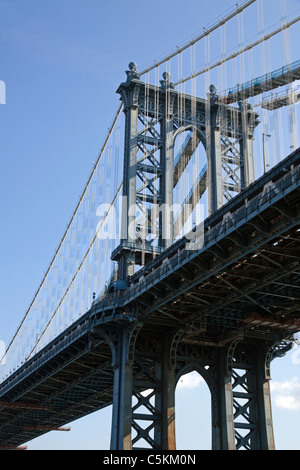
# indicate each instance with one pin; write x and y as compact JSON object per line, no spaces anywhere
{"x":238,"y":380}
{"x":245,"y":402}
{"x":223,"y":436}
{"x":144,"y":397}
{"x":145,"y":374}
{"x":121,"y":418}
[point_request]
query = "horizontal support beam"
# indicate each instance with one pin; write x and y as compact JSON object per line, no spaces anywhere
{"x":13,"y":448}
{"x":41,"y":427}
{"x":23,"y":405}
{"x":145,"y":417}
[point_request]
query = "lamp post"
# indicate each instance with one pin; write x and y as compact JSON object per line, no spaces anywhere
{"x":264,"y":157}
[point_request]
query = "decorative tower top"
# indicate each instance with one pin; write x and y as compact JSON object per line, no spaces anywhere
{"x":213,"y":94}
{"x":132,"y":72}
{"x":165,"y":83}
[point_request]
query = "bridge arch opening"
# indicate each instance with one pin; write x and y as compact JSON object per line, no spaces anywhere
{"x":193,"y":411}
{"x":190,"y":179}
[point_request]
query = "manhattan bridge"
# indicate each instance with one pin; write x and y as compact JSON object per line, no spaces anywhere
{"x":182,"y":253}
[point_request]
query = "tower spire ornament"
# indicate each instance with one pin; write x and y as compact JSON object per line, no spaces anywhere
{"x":132,"y":72}
{"x":166,"y":83}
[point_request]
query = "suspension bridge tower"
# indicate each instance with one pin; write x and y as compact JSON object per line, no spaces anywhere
{"x":155,"y":358}
{"x":154,"y":117}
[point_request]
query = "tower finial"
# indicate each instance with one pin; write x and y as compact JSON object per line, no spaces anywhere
{"x":165,"y":83}
{"x":132,"y":72}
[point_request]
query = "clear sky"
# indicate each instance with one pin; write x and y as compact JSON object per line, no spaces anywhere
{"x":61,"y":62}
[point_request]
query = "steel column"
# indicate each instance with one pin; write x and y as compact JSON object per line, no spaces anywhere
{"x":130,"y":92}
{"x":246,"y":147}
{"x":122,"y":393}
{"x":151,"y":415}
{"x":266,"y":434}
{"x":249,"y":175}
{"x":165,"y":401}
{"x":154,"y":389}
{"x":167,"y":161}
{"x":251,"y":399}
{"x":223,"y":437}
{"x":214,"y":155}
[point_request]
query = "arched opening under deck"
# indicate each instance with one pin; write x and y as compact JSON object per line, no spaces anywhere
{"x":193,"y":412}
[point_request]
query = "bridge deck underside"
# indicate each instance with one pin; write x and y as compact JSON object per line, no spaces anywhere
{"x":70,"y":385}
{"x":242,"y":284}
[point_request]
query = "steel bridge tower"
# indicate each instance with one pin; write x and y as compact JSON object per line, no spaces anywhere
{"x":155,"y":116}
{"x":237,"y":374}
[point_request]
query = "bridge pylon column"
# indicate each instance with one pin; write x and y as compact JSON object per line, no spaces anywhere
{"x":237,"y":375}
{"x":214,"y":154}
{"x":223,"y":435}
{"x":266,"y":434}
{"x":148,"y":175}
{"x":164,"y":434}
{"x":122,"y":392}
{"x":153,"y":410}
{"x":229,"y":148}
{"x":251,"y":398}
{"x":144,"y":394}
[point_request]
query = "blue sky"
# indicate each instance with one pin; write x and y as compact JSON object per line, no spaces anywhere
{"x":62,"y":63}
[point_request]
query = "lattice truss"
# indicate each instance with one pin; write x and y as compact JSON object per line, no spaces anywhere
{"x":249,"y":371}
{"x":148,"y":173}
{"x":146,"y":403}
{"x":231,"y":165}
{"x":145,"y":415}
{"x":245,"y":414}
